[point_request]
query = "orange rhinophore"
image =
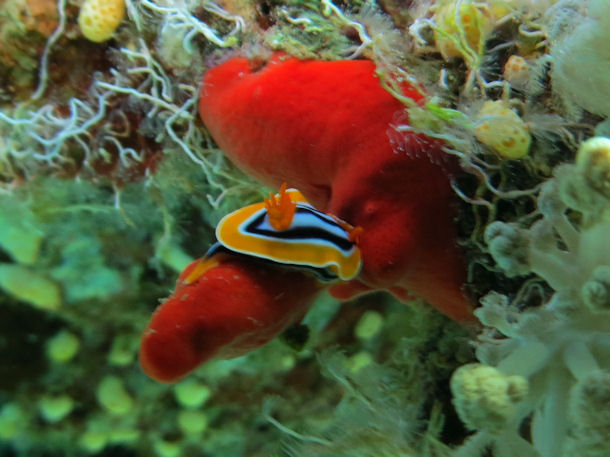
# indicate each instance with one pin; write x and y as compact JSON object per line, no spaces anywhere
{"x":280,"y":209}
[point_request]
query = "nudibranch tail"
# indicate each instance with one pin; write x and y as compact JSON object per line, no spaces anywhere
{"x":315,"y":241}
{"x":201,"y":266}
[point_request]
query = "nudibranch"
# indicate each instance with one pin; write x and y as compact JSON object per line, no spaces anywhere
{"x":288,"y":230}
{"x":270,"y":261}
{"x":327,"y":129}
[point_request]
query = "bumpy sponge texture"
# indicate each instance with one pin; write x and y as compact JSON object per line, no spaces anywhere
{"x":500,"y":128}
{"x":98,"y":19}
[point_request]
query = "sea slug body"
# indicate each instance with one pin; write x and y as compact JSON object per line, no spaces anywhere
{"x":307,"y":238}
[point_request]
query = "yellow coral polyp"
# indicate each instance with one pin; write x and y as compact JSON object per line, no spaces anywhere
{"x":98,"y":19}
{"x":501,"y":129}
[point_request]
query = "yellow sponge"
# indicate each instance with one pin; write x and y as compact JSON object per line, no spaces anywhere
{"x":98,"y":19}
{"x":500,"y":128}
{"x":463,"y":22}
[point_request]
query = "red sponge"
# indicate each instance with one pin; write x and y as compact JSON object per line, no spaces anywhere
{"x":325,"y":128}
{"x":234,"y":307}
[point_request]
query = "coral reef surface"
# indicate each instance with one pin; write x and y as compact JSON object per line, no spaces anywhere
{"x":111,"y":184}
